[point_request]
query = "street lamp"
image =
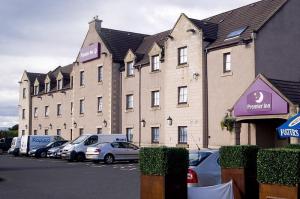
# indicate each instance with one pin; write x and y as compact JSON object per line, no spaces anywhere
{"x":75,"y":124}
{"x":65,"y":125}
{"x":104,"y":123}
{"x":143,"y":123}
{"x":50,"y":125}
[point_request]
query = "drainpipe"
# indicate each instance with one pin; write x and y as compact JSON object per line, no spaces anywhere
{"x":140,"y":111}
{"x":205,"y":99}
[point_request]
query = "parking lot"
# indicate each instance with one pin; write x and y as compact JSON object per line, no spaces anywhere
{"x":28,"y":178}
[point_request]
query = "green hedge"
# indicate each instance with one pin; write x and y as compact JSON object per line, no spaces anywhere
{"x":163,"y":160}
{"x":292,"y":146}
{"x":279,"y":166}
{"x":242,"y":156}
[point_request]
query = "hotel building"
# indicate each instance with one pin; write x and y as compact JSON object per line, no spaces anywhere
{"x":174,"y":88}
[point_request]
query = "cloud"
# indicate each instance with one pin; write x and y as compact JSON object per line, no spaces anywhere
{"x":38,"y":36}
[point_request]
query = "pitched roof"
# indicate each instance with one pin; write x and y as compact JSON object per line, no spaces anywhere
{"x":119,"y":42}
{"x":289,"y":89}
{"x":252,"y":16}
{"x":33,"y":76}
{"x":143,"y":50}
{"x":210,"y":30}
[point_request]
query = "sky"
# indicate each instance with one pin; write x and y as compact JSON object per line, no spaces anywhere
{"x":39,"y":35}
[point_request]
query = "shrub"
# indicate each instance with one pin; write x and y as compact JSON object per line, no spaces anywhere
{"x":279,"y":166}
{"x":292,"y":146}
{"x":242,"y":156}
{"x":162,"y":161}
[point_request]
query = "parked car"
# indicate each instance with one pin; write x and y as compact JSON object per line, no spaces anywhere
{"x":113,"y":151}
{"x":76,"y":149}
{"x":55,"y":152}
{"x":15,"y":146}
{"x":41,"y":152}
{"x":204,"y":168}
{"x":5,"y":143}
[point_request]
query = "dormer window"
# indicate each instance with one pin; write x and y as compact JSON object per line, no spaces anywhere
{"x":59,"y":84}
{"x":155,"y":63}
{"x":130,"y":69}
{"x":36,"y":90}
{"x":47,"y":87}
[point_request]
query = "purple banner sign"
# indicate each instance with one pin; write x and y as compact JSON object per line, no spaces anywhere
{"x":89,"y":53}
{"x":260,"y":99}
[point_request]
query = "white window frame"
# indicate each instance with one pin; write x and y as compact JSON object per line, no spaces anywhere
{"x":59,"y":84}
{"x":182,"y":95}
{"x":81,"y":78}
{"x":182,"y":135}
{"x":35,"y":112}
{"x":59,"y":110}
{"x":155,"y":98}
{"x":81,"y":106}
{"x":36,"y":90}
{"x":129,"y":101}
{"x":155,"y":135}
{"x":227,"y":62}
{"x":46,"y":111}
{"x":182,"y":55}
{"x":129,"y":134}
{"x":130,"y":69}
{"x":155,"y":63}
{"x":100,"y":104}
{"x":24,"y":93}
{"x":100,"y":73}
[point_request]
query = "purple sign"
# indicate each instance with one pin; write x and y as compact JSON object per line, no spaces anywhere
{"x":260,"y":99}
{"x":89,"y":53}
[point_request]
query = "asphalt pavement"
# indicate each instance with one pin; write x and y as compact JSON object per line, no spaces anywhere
{"x":31,"y":178}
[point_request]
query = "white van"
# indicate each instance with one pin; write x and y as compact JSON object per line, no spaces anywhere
{"x":29,"y":142}
{"x":15,"y":146}
{"x":76,"y":150}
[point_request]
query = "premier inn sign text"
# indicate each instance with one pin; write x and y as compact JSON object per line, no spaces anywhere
{"x":259,"y":101}
{"x":89,"y":53}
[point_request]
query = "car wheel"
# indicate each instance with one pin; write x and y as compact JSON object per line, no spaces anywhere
{"x":96,"y":161}
{"x":43,"y":154}
{"x":109,"y":159}
{"x":80,"y":157}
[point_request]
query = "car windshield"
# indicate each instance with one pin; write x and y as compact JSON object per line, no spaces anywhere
{"x":49,"y":144}
{"x":79,"y":139}
{"x":195,"y":158}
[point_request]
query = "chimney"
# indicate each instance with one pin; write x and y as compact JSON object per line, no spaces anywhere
{"x":95,"y":23}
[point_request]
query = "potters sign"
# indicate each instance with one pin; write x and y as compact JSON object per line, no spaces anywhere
{"x":290,"y":128}
{"x":89,"y":53}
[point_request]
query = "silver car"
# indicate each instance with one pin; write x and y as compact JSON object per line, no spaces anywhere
{"x":55,"y":152}
{"x":113,"y":151}
{"x":204,"y":168}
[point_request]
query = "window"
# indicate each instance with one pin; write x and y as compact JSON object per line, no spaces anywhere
{"x":99,"y":130}
{"x":35,"y":112}
{"x":46,"y":131}
{"x":58,"y":109}
{"x":130,"y":69}
{"x":47,"y":87}
{"x":72,"y":80}
{"x":24,"y":93}
{"x":36,"y":90}
{"x":59,"y":84}
{"x":71,"y":108}
{"x":182,"y":55}
{"x":129,"y":134}
{"x":23,"y":113}
{"x":155,"y":63}
{"x":81,"y":106}
{"x":46,"y":111}
{"x":91,"y":140}
{"x":81,"y":78}
{"x":81,"y":131}
{"x":182,"y":95}
{"x":226,"y":62}
{"x":129,"y":101}
{"x":155,"y":98}
{"x":58,"y":132}
{"x":182,"y":135}
{"x":236,"y":33}
{"x":35,"y":132}
{"x":100,"y":73}
{"x":155,"y":134}
{"x":100,"y":104}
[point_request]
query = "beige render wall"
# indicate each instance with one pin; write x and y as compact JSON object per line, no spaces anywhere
{"x":91,"y":119}
{"x":41,"y":123}
{"x":224,"y":89}
{"x":189,"y":115}
{"x":24,"y":104}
